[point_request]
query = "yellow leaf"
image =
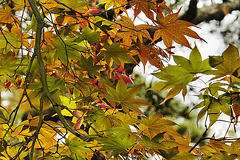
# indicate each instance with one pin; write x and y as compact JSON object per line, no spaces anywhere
{"x":183,"y":155}
{"x":173,"y":92}
{"x":6,"y":17}
{"x":155,"y":124}
{"x":67,"y":102}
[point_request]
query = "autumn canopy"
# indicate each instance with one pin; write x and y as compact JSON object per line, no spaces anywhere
{"x":70,"y":56}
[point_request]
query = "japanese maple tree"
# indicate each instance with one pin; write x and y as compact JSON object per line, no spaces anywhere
{"x":69,"y":56}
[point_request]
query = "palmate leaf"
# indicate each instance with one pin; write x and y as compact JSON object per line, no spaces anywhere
{"x":78,"y":148}
{"x":115,"y":3}
{"x":88,"y":65}
{"x":226,"y":64}
{"x":150,"y":54}
{"x":116,"y":145}
{"x":10,"y":66}
{"x":144,"y":6}
{"x":155,"y":124}
{"x":178,"y":76}
{"x":76,"y":4}
{"x":213,"y":108}
{"x":67,"y":50}
{"x":117,"y":53}
{"x":125,"y":97}
{"x":183,"y":155}
{"x":221,"y":150}
{"x":171,"y":29}
{"x":6,"y":16}
{"x":91,"y":36}
{"x":129,"y":32}
{"x":153,"y":144}
{"x":122,"y":131}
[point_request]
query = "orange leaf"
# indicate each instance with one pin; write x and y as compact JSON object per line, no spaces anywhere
{"x":236,"y":110}
{"x":129,"y":32}
{"x":171,"y":29}
{"x":6,"y":17}
{"x":151,"y":54}
{"x":143,"y":6}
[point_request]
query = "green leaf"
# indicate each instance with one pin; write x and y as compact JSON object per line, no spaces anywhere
{"x":67,"y":50}
{"x":117,"y":53}
{"x":76,"y":4}
{"x":200,"y":105}
{"x":122,"y":131}
{"x":88,"y":35}
{"x":183,"y":62}
{"x":13,"y":40}
{"x":169,"y":153}
{"x":158,"y":138}
{"x":227,"y":64}
{"x":126,"y":97}
{"x":201,"y":113}
{"x":178,"y":76}
{"x":79,"y":148}
{"x":121,"y":89}
{"x":160,"y":86}
{"x":102,"y":124}
{"x":3,"y":42}
{"x":116,"y":145}
{"x":10,"y":66}
{"x":175,"y":70}
{"x":204,"y":66}
{"x":224,"y":106}
{"x":183,"y":155}
{"x":215,"y":60}
{"x":3,"y":118}
{"x":195,"y":59}
{"x":214,"y":112}
{"x":89,"y":65}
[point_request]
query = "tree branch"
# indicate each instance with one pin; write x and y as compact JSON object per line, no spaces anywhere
{"x":213,"y":12}
{"x":37,"y":52}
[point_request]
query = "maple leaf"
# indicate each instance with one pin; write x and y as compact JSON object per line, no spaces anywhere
{"x":226,"y":64}
{"x":171,"y":29}
{"x":88,"y":65}
{"x":180,"y":75}
{"x":236,"y":110}
{"x":122,"y":131}
{"x":150,"y":54}
{"x":6,"y":16}
{"x":129,"y":33}
{"x":144,"y":6}
{"x":153,"y":144}
{"x":161,"y":5}
{"x":117,"y":53}
{"x":20,"y":4}
{"x":184,"y":155}
{"x":125,"y":97}
{"x":89,"y":35}
{"x":155,"y":124}
{"x":116,"y":144}
{"x":117,"y":4}
{"x":75,"y":4}
{"x":67,"y":49}
{"x":78,"y":148}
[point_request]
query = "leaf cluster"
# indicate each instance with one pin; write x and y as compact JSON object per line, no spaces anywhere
{"x":71,"y":60}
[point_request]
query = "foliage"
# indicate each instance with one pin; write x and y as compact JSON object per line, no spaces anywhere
{"x":66,"y":56}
